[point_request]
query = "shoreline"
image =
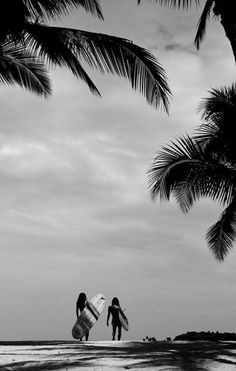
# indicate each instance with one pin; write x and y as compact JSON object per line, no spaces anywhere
{"x":117,"y":355}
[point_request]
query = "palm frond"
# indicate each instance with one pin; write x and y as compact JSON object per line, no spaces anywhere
{"x":185,"y":171}
{"x":206,"y":132}
{"x":55,"y":8}
{"x":185,"y":4}
{"x":53,"y":47}
{"x":24,"y":11}
{"x":221,"y":235}
{"x":106,"y":53}
{"x":220,"y":102}
{"x":19,"y":67}
{"x":217,"y":131}
{"x":51,"y":9}
{"x":218,"y":141}
{"x":171,"y":166}
{"x":201,"y":27}
{"x":206,"y":179}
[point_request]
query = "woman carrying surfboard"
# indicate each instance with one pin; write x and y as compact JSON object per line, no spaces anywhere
{"x":117,"y":313}
{"x":80,"y":305}
{"x":87,"y":313}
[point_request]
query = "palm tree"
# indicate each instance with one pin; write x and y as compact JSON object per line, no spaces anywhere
{"x":204,"y":165}
{"x":220,"y":9}
{"x":27,"y":27}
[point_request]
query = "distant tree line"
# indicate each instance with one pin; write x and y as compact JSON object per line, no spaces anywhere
{"x":151,"y":339}
{"x":207,"y":335}
{"x":198,"y":336}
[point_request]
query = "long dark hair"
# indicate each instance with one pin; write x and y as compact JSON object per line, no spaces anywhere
{"x":115,"y":301}
{"x":81,"y":301}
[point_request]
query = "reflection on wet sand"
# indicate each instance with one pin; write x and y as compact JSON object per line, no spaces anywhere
{"x":107,"y":355}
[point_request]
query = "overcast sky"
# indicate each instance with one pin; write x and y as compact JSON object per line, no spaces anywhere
{"x":75,"y":208}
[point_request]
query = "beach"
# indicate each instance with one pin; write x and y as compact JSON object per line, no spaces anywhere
{"x":114,"y":355}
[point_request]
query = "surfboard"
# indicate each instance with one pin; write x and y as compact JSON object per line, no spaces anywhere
{"x":124,"y":321}
{"x":89,"y":316}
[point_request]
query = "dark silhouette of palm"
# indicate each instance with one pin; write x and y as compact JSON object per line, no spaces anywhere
{"x":18,"y":66}
{"x":204,"y":165}
{"x":222,"y":10}
{"x":24,"y":23}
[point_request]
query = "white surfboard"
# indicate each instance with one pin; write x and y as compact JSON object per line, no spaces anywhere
{"x":124,"y":321}
{"x":89,"y":316}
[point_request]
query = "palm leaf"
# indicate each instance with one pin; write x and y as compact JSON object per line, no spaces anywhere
{"x":53,"y":47}
{"x":222,"y":102}
{"x":184,"y":170}
{"x":171,"y":166}
{"x":19,"y":67}
{"x":206,"y":132}
{"x":221,"y":235}
{"x":12,"y":28}
{"x":203,"y":179}
{"x":201,"y":28}
{"x":185,"y":4}
{"x":218,"y":141}
{"x":55,"y":8}
{"x":106,"y":53}
{"x":217,"y":132}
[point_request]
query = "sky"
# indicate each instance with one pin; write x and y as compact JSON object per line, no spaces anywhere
{"x":76,"y":215}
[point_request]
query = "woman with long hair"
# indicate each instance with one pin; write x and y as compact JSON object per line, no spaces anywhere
{"x":80,"y":305}
{"x":114,"y":309}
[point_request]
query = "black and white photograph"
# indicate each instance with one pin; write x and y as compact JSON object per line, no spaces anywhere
{"x":118,"y":185}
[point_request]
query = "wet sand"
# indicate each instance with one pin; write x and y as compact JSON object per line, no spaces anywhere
{"x":124,"y":355}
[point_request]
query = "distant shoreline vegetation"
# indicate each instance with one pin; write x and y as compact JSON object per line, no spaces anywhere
{"x":207,"y":335}
{"x":198,"y":336}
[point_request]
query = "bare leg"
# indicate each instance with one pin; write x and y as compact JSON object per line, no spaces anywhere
{"x":113,"y":332}
{"x":119,"y":332}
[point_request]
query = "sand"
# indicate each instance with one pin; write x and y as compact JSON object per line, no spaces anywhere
{"x":124,"y":355}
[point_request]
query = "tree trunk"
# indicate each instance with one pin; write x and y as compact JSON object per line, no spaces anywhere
{"x":226,"y":10}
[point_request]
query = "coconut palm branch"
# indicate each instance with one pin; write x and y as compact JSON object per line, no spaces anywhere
{"x":185,"y":4}
{"x":69,"y":48}
{"x":221,"y":235}
{"x":55,"y":8}
{"x":17,"y":66}
{"x":184,"y":170}
{"x":217,"y":131}
{"x":171,"y":165}
{"x":45,"y":9}
{"x":222,"y":101}
{"x":110,"y":54}
{"x":23,"y":11}
{"x":202,"y":24}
